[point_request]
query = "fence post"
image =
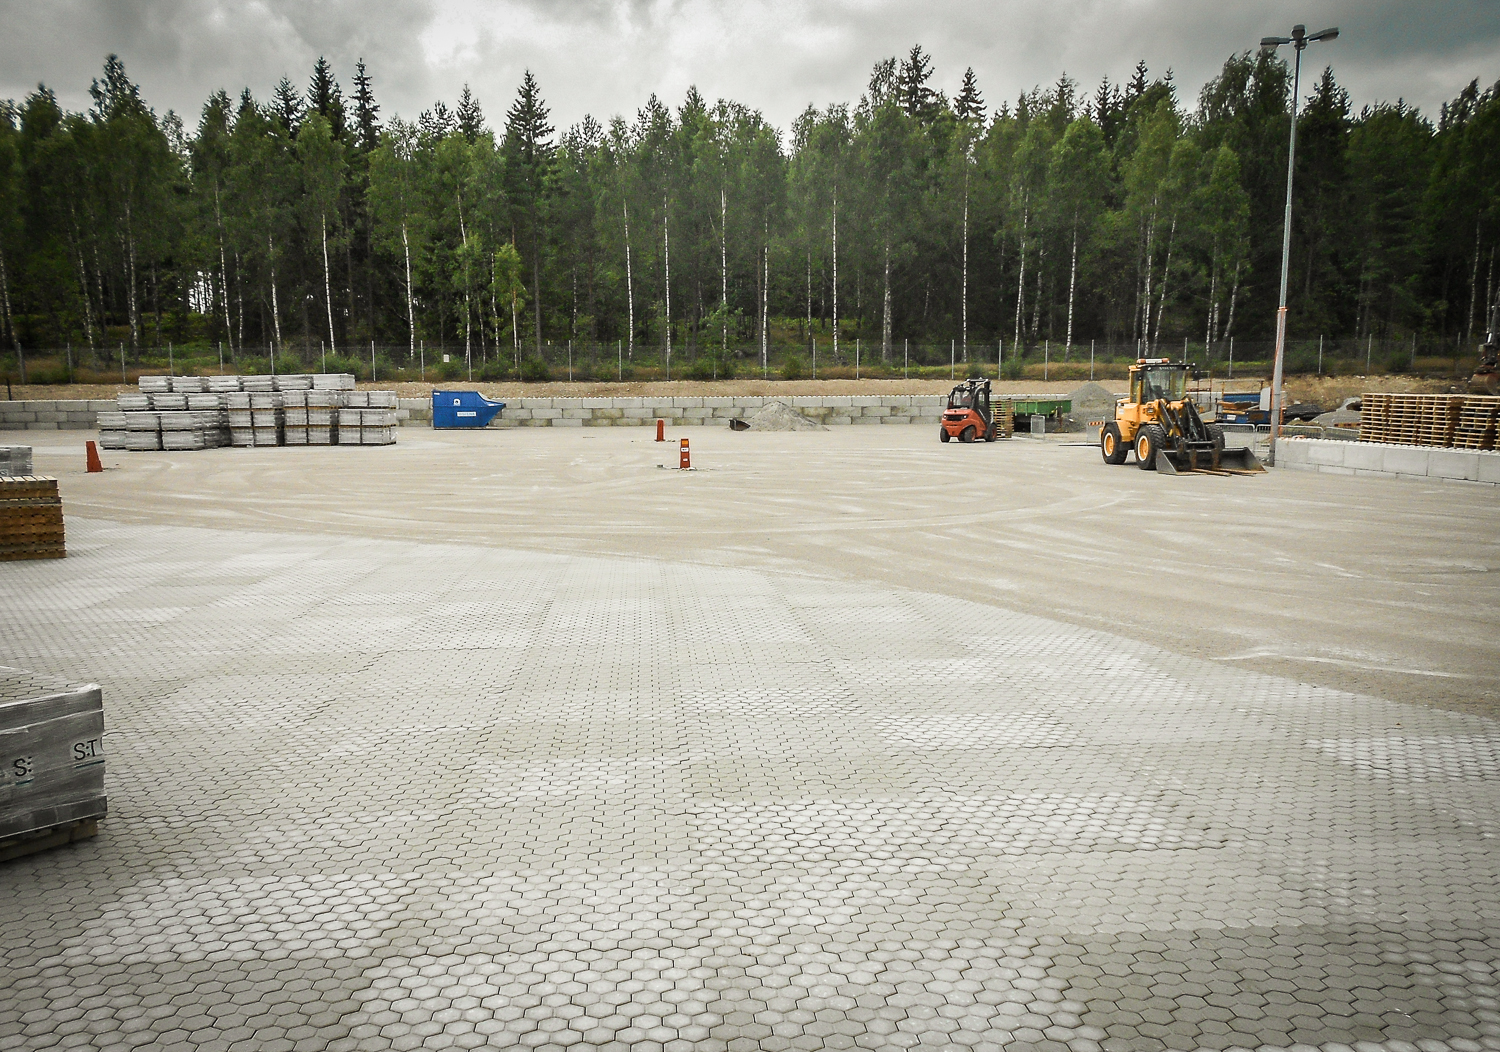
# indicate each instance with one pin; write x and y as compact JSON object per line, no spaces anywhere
{"x":999,"y":360}
{"x":856,"y":357}
{"x":1320,"y":355}
{"x":619,"y":360}
{"x":372,"y":361}
{"x":1091,"y":361}
{"x":1046,"y":358}
{"x":122,"y":361}
{"x":221,"y":357}
{"x":952,"y":363}
{"x":905,"y":356}
{"x":1369,"y":350}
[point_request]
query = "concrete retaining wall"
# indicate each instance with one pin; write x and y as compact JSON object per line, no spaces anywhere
{"x":679,"y":410}
{"x":1389,"y":461}
{"x":701,"y":410}
{"x":72,"y":415}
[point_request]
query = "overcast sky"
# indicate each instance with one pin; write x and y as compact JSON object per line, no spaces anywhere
{"x":606,"y":56}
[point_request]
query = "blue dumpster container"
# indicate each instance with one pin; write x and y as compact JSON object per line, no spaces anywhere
{"x":463,"y":409}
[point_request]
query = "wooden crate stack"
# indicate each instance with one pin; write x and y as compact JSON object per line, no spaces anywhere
{"x":1478,"y":423}
{"x":1411,"y":419}
{"x":31,"y":518}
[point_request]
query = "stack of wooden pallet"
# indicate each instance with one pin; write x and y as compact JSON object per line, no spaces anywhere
{"x":51,"y":761}
{"x":1410,"y":419}
{"x":1479,"y":423}
{"x":31,"y":518}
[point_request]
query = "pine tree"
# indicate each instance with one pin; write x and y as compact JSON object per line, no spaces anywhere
{"x":528,"y":155}
{"x":970,"y":103}
{"x":326,"y":98}
{"x":286,"y":104}
{"x":470,"y":117}
{"x":917,"y":98}
{"x":366,"y":111}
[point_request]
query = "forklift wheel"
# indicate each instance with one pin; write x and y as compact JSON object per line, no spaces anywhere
{"x":992,"y":433}
{"x":943,"y":435}
{"x":967,"y":434}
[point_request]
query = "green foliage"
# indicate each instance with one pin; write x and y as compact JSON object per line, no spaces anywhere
{"x":304,"y":219}
{"x":791,"y":367}
{"x":534,"y":370}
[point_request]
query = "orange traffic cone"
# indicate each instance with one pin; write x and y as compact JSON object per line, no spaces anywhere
{"x":93,"y":458}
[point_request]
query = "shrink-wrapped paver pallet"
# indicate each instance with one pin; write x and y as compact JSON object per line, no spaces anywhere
{"x":1464,"y":421}
{"x":201,"y":412}
{"x":51,"y":761}
{"x":31,"y":518}
{"x":15,"y":460}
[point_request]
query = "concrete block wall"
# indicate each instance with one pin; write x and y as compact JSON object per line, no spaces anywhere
{"x":697,"y":410}
{"x":68,"y":415}
{"x":1389,"y":461}
{"x":680,"y":410}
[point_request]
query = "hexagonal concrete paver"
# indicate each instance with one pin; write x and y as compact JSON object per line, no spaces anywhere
{"x":375,"y":795}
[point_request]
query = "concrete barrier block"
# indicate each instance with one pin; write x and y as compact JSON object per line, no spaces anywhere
{"x":538,"y":403}
{"x":608,"y":413}
{"x":839,"y":401}
{"x":715,"y":401}
{"x":567,"y":421}
{"x":1315,"y":452}
{"x":875,"y":410}
{"x":668,"y":412}
{"x":688,"y":401}
{"x":729,"y":412}
{"x":1487,"y":468}
{"x":752,"y":401}
{"x":698,"y":413}
{"x":545,"y":413}
{"x":832,"y":421}
{"x":572,"y":413}
{"x":18,"y":418}
{"x":534,"y":422}
{"x":50,"y":416}
{"x":637,"y":413}
{"x":627,"y":402}
{"x":688,"y":421}
{"x":101,"y":404}
{"x":1453,"y":464}
{"x":599,"y":421}
{"x":862,"y":419}
{"x":1405,"y":460}
{"x":864,"y":400}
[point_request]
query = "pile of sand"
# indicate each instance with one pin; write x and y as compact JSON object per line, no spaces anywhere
{"x":778,"y":416}
{"x":1093,"y":399}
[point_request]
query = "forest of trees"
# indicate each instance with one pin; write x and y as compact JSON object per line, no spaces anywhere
{"x":312,"y":224}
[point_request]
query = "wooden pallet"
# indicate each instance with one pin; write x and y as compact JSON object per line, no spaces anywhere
{"x":31,"y":519}
{"x":46,"y":839}
{"x":1420,"y":420}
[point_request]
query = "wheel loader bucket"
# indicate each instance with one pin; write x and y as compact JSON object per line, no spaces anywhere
{"x":1241,"y":461}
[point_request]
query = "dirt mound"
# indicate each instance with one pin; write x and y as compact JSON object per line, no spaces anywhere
{"x":778,"y":416}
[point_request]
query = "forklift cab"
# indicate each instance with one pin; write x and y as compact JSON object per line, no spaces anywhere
{"x":968,"y":416}
{"x":971,"y":396}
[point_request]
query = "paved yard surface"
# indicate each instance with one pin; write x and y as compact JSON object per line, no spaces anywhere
{"x":518,"y":740}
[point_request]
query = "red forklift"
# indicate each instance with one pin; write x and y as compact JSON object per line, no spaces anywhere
{"x":970,"y":414}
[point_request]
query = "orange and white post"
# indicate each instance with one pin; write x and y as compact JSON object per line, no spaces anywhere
{"x":661,"y":430}
{"x":684,"y":461}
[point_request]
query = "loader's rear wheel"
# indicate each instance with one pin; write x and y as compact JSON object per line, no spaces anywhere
{"x":1112,"y":445}
{"x":1148,"y":442}
{"x":967,"y":434}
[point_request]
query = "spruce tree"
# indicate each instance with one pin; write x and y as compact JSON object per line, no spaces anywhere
{"x":366,"y":110}
{"x":286,"y":104}
{"x":470,"y":117}
{"x":326,"y":98}
{"x":528,"y":156}
{"x":970,"y":103}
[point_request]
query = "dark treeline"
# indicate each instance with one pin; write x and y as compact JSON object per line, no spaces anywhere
{"x":309,"y":221}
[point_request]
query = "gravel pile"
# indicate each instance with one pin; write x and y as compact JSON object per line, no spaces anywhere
{"x":778,"y":416}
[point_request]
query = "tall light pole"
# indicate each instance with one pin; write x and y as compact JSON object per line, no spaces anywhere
{"x":1299,"y":40}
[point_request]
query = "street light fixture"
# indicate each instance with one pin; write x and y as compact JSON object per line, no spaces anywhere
{"x":1299,"y":40}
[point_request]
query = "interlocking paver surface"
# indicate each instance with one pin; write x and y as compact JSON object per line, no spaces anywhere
{"x":379,"y":794}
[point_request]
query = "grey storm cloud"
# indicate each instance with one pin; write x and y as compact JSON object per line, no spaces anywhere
{"x":607,"y":56}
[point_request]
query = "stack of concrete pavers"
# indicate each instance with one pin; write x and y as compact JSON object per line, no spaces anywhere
{"x":265,"y":417}
{"x":51,"y":761}
{"x":31,"y":518}
{"x":15,"y":460}
{"x":369,"y":419}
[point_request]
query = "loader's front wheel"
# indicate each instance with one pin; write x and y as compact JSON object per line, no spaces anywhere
{"x":1148,"y":442}
{"x":1112,"y":445}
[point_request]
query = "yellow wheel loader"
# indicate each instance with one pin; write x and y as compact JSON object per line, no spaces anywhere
{"x":1160,"y":422}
